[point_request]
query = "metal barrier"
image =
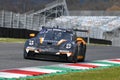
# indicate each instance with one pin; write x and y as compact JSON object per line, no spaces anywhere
{"x":21,"y":21}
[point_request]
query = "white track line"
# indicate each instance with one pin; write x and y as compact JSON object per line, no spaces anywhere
{"x":108,"y":61}
{"x":98,"y":64}
{"x":35,"y":69}
{"x":11,"y":75}
{"x":73,"y":67}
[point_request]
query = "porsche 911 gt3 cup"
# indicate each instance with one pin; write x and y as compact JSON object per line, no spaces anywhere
{"x":55,"y":44}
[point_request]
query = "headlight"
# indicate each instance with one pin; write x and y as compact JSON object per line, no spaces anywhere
{"x":31,"y":42}
{"x":68,"y":45}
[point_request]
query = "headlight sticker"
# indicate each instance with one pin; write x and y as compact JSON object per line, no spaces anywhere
{"x":68,"y":45}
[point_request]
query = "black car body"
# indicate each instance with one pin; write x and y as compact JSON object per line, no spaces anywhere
{"x":55,"y":44}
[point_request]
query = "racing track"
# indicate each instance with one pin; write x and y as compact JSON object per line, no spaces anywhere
{"x":11,"y":55}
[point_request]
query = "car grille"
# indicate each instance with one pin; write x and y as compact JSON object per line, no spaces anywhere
{"x":47,"y":56}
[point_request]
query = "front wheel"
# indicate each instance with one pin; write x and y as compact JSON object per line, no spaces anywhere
{"x":73,"y":58}
{"x":79,"y":54}
{"x":25,"y":55}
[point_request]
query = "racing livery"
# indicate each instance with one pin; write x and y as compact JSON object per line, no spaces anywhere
{"x":55,"y":44}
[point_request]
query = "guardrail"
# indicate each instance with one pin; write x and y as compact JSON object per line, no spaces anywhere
{"x":17,"y":20}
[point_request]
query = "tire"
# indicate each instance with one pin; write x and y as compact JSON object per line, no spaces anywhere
{"x":82,"y":52}
{"x":25,"y":55}
{"x":73,"y":58}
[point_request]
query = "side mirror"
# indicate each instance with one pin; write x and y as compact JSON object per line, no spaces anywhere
{"x":31,"y":35}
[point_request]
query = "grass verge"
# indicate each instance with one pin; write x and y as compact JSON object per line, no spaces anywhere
{"x":12,"y":40}
{"x":104,"y":74}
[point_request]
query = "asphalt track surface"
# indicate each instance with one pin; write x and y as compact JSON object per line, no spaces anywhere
{"x":11,"y":55}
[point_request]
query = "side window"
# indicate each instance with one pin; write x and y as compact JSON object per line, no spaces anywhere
{"x":40,"y":34}
{"x":67,"y":36}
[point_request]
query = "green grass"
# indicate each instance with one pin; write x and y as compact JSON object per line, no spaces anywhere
{"x":12,"y":40}
{"x":104,"y":74}
{"x":95,"y":44}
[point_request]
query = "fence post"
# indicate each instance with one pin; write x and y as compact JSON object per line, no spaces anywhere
{"x":25,"y":18}
{"x":44,"y":19}
{"x":18,"y":15}
{"x":31,"y":22}
{"x":88,"y":38}
{"x":11,"y":17}
{"x":3,"y":15}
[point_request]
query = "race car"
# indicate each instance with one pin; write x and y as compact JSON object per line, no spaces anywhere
{"x":55,"y":44}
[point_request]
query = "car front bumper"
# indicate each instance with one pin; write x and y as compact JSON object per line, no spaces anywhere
{"x":48,"y":54}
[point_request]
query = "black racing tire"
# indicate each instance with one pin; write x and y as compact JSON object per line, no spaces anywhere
{"x":82,"y":52}
{"x":25,"y":55}
{"x":73,"y":58}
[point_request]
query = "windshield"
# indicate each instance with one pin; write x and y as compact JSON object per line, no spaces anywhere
{"x":41,"y":33}
{"x":58,"y":35}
